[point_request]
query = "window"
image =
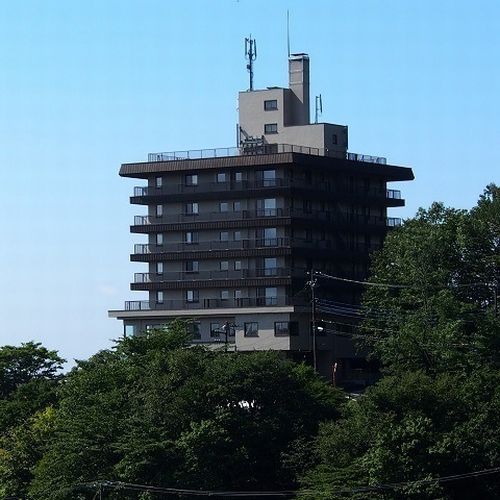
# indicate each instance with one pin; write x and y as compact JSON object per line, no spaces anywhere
{"x":270,"y":105}
{"x":237,"y":265}
{"x":190,"y":237}
{"x":191,"y":208}
{"x":224,"y":236}
{"x":270,"y":236}
{"x":215,"y":329}
{"x":285,"y":328}
{"x":221,"y":177}
{"x":281,"y":328}
{"x":238,"y":176}
{"x":267,"y":207}
{"x":224,"y":294}
{"x":271,"y":296}
{"x":159,"y":297}
{"x":237,"y":206}
{"x":223,"y":206}
{"x":271,"y":128}
{"x":237,"y":236}
{"x":128,"y":330}
{"x":237,"y":295}
{"x":251,"y":330}
{"x":159,"y":268}
{"x":159,"y":210}
{"x":195,"y":329}
{"x":224,"y":265}
{"x":191,"y":180}
{"x":159,"y":239}
{"x":191,"y":266}
{"x":159,"y":182}
{"x":269,"y":177}
{"x":270,"y":266}
{"x":192,"y":295}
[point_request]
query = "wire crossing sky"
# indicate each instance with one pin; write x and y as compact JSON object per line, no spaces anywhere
{"x":87,"y":85}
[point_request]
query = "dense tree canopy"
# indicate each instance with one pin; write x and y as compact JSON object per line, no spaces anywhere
{"x":154,"y":412}
{"x":438,"y":311}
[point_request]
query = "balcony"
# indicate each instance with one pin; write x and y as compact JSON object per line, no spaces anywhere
{"x":167,"y":305}
{"x":274,"y":272}
{"x":326,"y":216}
{"x":261,"y":149}
{"x":212,"y":245}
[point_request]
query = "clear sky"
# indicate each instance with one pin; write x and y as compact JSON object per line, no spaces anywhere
{"x":87,"y":85}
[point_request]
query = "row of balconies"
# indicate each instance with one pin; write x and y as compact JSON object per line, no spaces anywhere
{"x":213,"y":187}
{"x":146,"y":305}
{"x":335,"y":217}
{"x":250,"y":244}
{"x":218,"y":275}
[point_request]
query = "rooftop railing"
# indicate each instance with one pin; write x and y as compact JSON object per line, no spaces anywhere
{"x":196,"y":154}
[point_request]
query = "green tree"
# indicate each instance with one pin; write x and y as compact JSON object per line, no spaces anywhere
{"x":410,"y":428}
{"x":154,"y":411}
{"x":438,"y":311}
{"x":29,"y":379}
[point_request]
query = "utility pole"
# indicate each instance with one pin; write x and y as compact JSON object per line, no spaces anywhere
{"x":312,"y":284}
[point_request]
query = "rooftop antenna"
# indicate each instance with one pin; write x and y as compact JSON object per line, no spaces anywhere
{"x":288,"y":32}
{"x":319,"y":108}
{"x":251,"y":55}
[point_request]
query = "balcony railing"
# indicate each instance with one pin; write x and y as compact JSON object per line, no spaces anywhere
{"x":211,"y":245}
{"x":261,"y":149}
{"x":273,"y":272}
{"x":302,"y":183}
{"x":335,"y":217}
{"x":146,"y":305}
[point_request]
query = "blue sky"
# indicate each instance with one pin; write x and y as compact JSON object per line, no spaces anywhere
{"x":87,"y":85}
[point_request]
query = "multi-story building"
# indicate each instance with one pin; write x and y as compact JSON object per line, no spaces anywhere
{"x":232,"y":233}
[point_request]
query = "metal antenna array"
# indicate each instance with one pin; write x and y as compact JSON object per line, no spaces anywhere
{"x":251,"y":55}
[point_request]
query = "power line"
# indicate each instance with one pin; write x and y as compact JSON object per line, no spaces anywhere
{"x":118,"y":485}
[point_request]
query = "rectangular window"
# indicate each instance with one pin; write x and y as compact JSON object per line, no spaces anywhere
{"x":271,"y":296}
{"x":159,"y":210}
{"x":237,"y":206}
{"x":224,"y":294}
{"x":190,"y":237}
{"x":238,"y":176}
{"x":269,"y":177}
{"x":128,"y":330}
{"x":192,"y":296}
{"x":270,"y":266}
{"x":237,"y":265}
{"x":271,"y":105}
{"x":224,"y":236}
{"x":159,"y":239}
{"x":270,"y":236}
{"x":159,"y":182}
{"x":237,"y":236}
{"x":251,"y":329}
{"x":159,"y":297}
{"x":195,"y":329}
{"x":191,"y":266}
{"x":191,"y":180}
{"x":281,"y":329}
{"x":224,"y":265}
{"x":271,"y":128}
{"x":221,"y":177}
{"x":223,"y":206}
{"x":237,"y":294}
{"x":159,"y":268}
{"x":215,"y":329}
{"x":191,"y":208}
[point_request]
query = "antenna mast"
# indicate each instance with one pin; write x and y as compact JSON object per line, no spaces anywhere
{"x":251,"y":55}
{"x":288,"y":32}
